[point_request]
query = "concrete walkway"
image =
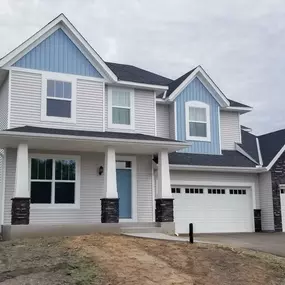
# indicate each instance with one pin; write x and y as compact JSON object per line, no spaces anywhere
{"x":267,"y":242}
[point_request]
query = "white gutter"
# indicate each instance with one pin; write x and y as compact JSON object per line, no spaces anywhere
{"x":142,"y":85}
{"x":257,"y":169}
{"x":259,"y":152}
{"x":244,"y":153}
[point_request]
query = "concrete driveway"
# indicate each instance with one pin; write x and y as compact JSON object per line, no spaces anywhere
{"x":267,"y":242}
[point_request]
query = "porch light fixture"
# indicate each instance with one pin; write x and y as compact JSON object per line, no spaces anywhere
{"x":101,"y":170}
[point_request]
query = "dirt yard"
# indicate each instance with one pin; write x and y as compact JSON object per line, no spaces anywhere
{"x":116,"y":260}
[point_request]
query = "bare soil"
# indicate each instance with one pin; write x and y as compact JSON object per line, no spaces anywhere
{"x":115,"y":260}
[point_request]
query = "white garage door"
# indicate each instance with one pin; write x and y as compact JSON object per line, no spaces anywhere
{"x":213,"y":209}
{"x":282,"y":196}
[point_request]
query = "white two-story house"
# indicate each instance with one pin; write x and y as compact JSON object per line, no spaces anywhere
{"x":91,"y":145}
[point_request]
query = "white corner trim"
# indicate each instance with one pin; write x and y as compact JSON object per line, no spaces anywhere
{"x":111,"y":125}
{"x":220,"y":132}
{"x":104,"y":107}
{"x":77,"y":159}
{"x":3,"y":186}
{"x":58,"y":77}
{"x":223,"y":101}
{"x":259,"y":152}
{"x":175,"y":120}
{"x":62,"y":22}
{"x":240,"y":138}
{"x":155,"y":114}
{"x":133,"y":159}
{"x":197,"y":104}
{"x":9,"y":100}
{"x":268,"y":167}
{"x":244,"y":153}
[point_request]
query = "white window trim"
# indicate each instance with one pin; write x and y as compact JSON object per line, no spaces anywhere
{"x":77,"y":160}
{"x":132,"y":108}
{"x":197,"y":104}
{"x":58,"y":77}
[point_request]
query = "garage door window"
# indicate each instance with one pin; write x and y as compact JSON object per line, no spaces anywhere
{"x":194,"y":190}
{"x":175,"y":190}
{"x":216,"y":191}
{"x":237,"y":191}
{"x":282,"y":191}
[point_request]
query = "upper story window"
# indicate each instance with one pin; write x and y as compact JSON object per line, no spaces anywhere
{"x":58,"y":98}
{"x":197,"y":121}
{"x":121,"y":108}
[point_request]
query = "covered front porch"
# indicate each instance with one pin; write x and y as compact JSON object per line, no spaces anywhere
{"x":112,"y":180}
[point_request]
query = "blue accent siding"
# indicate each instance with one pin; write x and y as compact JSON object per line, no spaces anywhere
{"x":58,"y":53}
{"x":196,"y":91}
{"x":124,"y":186}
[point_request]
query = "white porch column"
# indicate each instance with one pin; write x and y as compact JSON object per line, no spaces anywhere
{"x":20,"y":214}
{"x":22,"y":173}
{"x":110,"y":179}
{"x":164,"y":188}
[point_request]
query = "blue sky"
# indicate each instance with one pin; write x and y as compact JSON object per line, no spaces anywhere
{"x":239,"y":43}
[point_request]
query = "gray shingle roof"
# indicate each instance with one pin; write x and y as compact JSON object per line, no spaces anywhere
{"x":132,"y":73}
{"x":229,"y":158}
{"x":249,"y":144}
{"x":270,"y":144}
{"x":79,"y":133}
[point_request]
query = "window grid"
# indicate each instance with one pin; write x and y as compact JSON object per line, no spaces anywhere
{"x":237,"y":192}
{"x":194,"y":191}
{"x":175,"y":190}
{"x":282,"y":190}
{"x":217,"y":191}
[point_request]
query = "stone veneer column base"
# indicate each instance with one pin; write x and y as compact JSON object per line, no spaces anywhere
{"x":109,"y":210}
{"x":164,"y":210}
{"x":20,"y":213}
{"x":257,"y":220}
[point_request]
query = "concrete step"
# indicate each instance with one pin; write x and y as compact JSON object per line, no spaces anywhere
{"x":135,"y":230}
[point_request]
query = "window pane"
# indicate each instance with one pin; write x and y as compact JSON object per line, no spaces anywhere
{"x":65,"y":170}
{"x":41,"y":192}
{"x":58,"y":108}
{"x":197,"y":114}
{"x":121,"y":116}
{"x":121,"y":98}
{"x":67,"y":90}
{"x":50,"y":88}
{"x":58,"y":89}
{"x":41,"y":169}
{"x":58,"y":170}
{"x":64,"y":193}
{"x":198,"y":129}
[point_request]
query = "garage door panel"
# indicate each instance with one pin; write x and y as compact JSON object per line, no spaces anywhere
{"x":213,"y":212}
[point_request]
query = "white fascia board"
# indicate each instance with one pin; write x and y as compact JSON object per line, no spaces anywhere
{"x":241,"y":110}
{"x":268,"y":167}
{"x":244,"y":153}
{"x":163,"y":144}
{"x":259,"y":152}
{"x":142,"y":85}
{"x":200,"y":73}
{"x":257,"y":169}
{"x":38,"y":37}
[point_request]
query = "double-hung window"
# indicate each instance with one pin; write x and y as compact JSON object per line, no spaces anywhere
{"x":197,"y":121}
{"x":54,"y":180}
{"x":121,"y":108}
{"x":58,"y":99}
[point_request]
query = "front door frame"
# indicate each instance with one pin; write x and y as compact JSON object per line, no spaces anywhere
{"x":133,"y":160}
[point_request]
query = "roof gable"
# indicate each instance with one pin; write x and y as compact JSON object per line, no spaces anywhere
{"x":59,"y":22}
{"x":177,"y":86}
{"x":57,"y":53}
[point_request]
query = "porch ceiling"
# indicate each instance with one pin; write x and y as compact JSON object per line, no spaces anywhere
{"x":44,"y":141}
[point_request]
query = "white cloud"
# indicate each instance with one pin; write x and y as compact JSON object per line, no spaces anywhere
{"x":240,"y":43}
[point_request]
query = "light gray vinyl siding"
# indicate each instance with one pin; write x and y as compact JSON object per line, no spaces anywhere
{"x":266,"y":201}
{"x":144,"y":102}
{"x":217,"y":177}
{"x":230,"y":129}
{"x":172,"y":121}
{"x":91,"y":191}
{"x":4,"y":99}
{"x":26,"y":92}
{"x":162,"y":120}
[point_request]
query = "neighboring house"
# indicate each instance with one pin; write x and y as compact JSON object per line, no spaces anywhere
{"x":91,"y":145}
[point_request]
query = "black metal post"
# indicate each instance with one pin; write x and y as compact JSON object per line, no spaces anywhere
{"x":191,"y":238}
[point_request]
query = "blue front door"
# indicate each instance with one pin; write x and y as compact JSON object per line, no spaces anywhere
{"x":124,"y":186}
